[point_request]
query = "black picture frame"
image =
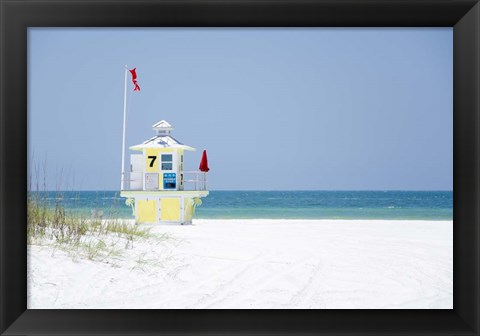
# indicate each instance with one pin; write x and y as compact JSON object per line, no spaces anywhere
{"x":17,"y":15}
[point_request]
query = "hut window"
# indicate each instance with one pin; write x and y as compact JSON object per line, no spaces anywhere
{"x":167,"y":162}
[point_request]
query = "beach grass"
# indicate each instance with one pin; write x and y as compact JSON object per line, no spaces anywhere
{"x":82,"y":237}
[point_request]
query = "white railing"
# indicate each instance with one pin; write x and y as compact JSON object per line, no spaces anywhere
{"x":125,"y":180}
{"x":192,"y":180}
{"x":133,"y":181}
{"x":195,"y":177}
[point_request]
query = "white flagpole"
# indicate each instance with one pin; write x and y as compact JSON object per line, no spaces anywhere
{"x":122,"y":182}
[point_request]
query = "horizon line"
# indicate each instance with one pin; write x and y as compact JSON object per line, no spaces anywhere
{"x":282,"y":190}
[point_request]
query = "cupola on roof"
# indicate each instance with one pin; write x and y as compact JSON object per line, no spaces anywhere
{"x":162,"y":139}
{"x":163,"y":127}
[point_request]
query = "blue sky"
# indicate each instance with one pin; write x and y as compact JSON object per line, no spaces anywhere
{"x":276,"y":109}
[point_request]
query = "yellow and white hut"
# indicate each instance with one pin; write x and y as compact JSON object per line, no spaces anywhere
{"x":156,"y":187}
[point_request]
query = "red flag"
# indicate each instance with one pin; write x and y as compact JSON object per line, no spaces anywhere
{"x":204,"y":163}
{"x":134,"y":74}
{"x":136,"y":87}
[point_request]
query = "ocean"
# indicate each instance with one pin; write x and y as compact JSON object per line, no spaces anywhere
{"x":420,"y":205}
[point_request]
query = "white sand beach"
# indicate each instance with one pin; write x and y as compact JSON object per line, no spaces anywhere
{"x":324,"y":264}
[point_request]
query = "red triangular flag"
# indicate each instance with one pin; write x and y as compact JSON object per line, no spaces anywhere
{"x":204,"y":163}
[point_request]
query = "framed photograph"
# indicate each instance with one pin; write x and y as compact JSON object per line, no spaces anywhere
{"x":340,"y":193}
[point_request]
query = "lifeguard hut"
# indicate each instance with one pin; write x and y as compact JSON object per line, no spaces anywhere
{"x":156,"y":187}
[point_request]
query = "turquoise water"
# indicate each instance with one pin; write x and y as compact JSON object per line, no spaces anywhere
{"x":426,"y":205}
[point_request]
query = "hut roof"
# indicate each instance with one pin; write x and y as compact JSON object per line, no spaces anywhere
{"x":162,"y":141}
